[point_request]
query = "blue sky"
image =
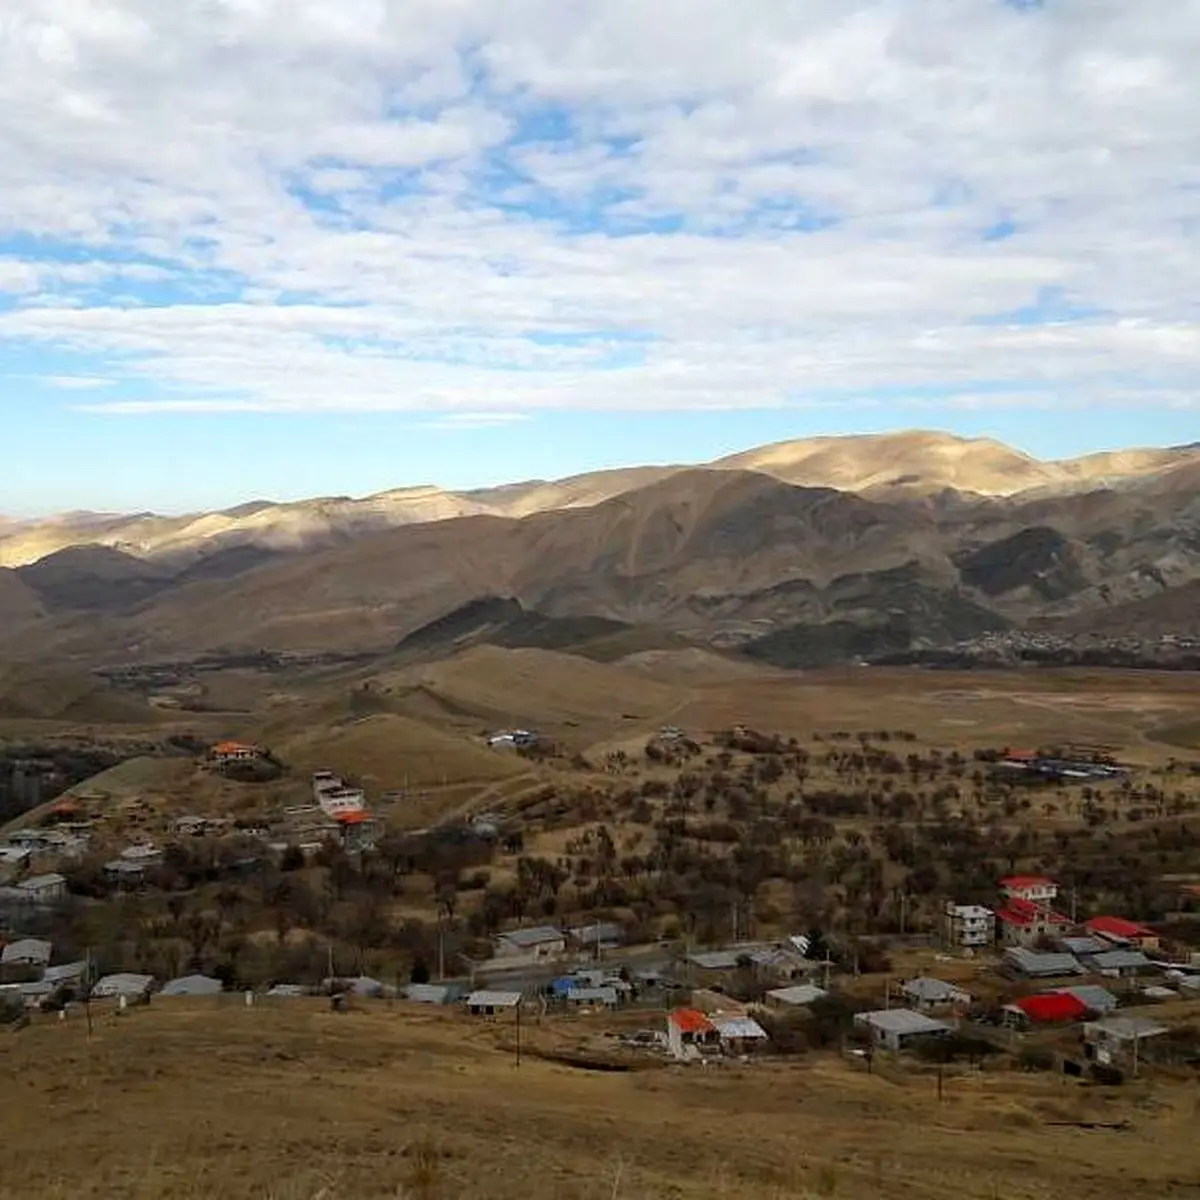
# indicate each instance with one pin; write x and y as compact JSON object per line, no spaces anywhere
{"x":298,"y":248}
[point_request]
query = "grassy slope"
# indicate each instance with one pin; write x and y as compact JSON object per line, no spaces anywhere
{"x":192,"y":1099}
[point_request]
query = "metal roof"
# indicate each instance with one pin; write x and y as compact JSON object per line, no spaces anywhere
{"x":593,"y":995}
{"x":432,"y":993}
{"x":24,"y":950}
{"x":901,"y":1020}
{"x":1118,"y":960}
{"x":932,"y":991}
{"x":66,"y":971}
{"x":1083,"y":945}
{"x":737,"y":1027}
{"x":716,"y":960}
{"x":290,"y":991}
{"x":534,"y":936}
{"x":1127,"y":1029}
{"x":34,"y":882}
{"x":598,"y":931}
{"x":193,"y":985}
{"x":489,"y":999}
{"x":124,"y":983}
{"x":1033,"y":962}
{"x":802,"y":993}
{"x":1098,"y":999}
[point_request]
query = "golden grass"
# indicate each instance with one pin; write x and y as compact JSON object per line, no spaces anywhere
{"x":292,"y":1102}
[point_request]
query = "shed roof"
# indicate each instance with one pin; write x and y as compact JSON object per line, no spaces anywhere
{"x":901,"y":1020}
{"x":431,"y":993}
{"x":799,"y":994}
{"x":490,"y":999}
{"x":52,"y":879}
{"x":193,"y":985}
{"x":289,"y":991}
{"x":66,"y":971}
{"x":1027,"y":881}
{"x":1083,"y":945}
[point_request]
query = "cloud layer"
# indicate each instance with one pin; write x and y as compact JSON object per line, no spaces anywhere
{"x":488,"y":206}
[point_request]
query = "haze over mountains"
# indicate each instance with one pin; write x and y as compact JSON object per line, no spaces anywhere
{"x":798,"y":552}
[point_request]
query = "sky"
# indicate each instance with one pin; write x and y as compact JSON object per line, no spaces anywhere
{"x":283,"y":248}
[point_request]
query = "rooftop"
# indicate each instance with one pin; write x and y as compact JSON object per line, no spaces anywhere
{"x":534,"y":936}
{"x":193,"y":985}
{"x":691,"y":1020}
{"x":490,"y":999}
{"x":1118,"y":927}
{"x":1033,"y":962}
{"x":933,"y":991}
{"x":1027,"y":881}
{"x":901,"y":1020}
{"x":737,"y":1027}
{"x":1128,"y":1029}
{"x":801,"y":993}
{"x":1119,"y":960}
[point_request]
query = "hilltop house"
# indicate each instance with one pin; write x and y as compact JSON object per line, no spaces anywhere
{"x":234,"y":752}
{"x":539,"y":941}
{"x":897,"y":1028}
{"x":1049,"y":1008}
{"x":926,"y":995}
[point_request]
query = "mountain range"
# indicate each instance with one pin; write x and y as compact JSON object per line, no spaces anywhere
{"x":798,"y":553}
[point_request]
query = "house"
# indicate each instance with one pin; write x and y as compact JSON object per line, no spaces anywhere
{"x":67,"y":973}
{"x":26,"y":952}
{"x":764,"y":959}
{"x":540,"y":941}
{"x":592,"y":997}
{"x":1032,"y":964}
{"x":1048,"y":1008}
{"x":1079,"y":945}
{"x":690,"y":1033}
{"x":491,"y":1003}
{"x":738,"y":1034}
{"x":927,"y":994}
{"x":1026,"y":922}
{"x":193,"y":985}
{"x":433,"y":993}
{"x":799,"y":995}
{"x":969,"y":925}
{"x":1119,"y":962}
{"x":124,"y":873}
{"x":123,"y":984}
{"x":357,"y":830}
{"x":1098,"y":1000}
{"x":1125,"y":934}
{"x":896,"y":1028}
{"x":600,"y":935}
{"x":1037,"y":888}
{"x":1120,"y":1036}
{"x":44,"y":890}
{"x":234,"y":752}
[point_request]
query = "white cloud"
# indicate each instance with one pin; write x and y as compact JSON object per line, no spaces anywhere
{"x":800,"y":188}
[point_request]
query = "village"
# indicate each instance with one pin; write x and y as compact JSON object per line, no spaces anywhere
{"x":1016,"y":978}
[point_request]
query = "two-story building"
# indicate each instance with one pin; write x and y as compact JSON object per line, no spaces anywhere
{"x":969,"y":925}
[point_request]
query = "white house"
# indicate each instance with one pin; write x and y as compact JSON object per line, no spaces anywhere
{"x":969,"y":925}
{"x":1037,"y":888}
{"x":540,"y":941}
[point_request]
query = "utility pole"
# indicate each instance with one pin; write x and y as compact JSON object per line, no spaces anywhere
{"x":518,"y":1033}
{"x":903,"y":912}
{"x":1074,"y":907}
{"x":441,"y":950}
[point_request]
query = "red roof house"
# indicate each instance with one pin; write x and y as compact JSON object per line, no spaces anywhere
{"x":1022,"y":922}
{"x":687,"y":1030}
{"x":1126,"y":933}
{"x":1050,"y":1008}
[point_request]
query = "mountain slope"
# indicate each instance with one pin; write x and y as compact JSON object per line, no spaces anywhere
{"x":915,"y":465}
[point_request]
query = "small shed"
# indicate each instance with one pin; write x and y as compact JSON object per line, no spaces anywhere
{"x":1050,"y":1008}
{"x":896,"y":1028}
{"x":193,"y":985}
{"x":487,"y":1003}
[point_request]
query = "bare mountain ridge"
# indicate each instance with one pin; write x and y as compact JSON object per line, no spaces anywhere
{"x":936,"y":468}
{"x":718,"y":557}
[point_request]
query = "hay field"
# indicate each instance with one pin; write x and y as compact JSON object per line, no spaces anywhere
{"x":193,"y":1099}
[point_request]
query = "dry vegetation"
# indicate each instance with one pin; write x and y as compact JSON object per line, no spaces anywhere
{"x":192,"y":1099}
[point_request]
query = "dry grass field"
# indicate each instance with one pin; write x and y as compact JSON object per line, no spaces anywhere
{"x":193,"y":1099}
